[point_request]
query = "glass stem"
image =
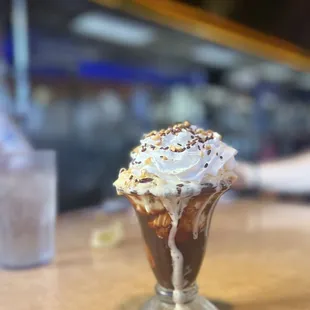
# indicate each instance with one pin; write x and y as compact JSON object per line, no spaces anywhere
{"x":166,"y":295}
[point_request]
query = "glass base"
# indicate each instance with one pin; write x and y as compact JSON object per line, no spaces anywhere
{"x":199,"y":303}
{"x":164,"y":301}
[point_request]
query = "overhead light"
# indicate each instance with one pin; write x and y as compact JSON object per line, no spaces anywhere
{"x":274,"y":72}
{"x":216,"y":95}
{"x":215,"y":56}
{"x":113,"y":29}
{"x":245,"y":78}
{"x":303,"y":81}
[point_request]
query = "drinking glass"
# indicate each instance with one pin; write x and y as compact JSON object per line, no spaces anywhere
{"x":28,"y":208}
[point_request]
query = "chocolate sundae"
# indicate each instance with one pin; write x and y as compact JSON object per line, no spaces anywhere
{"x":174,"y":180}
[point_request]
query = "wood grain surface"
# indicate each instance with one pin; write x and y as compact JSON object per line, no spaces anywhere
{"x":257,"y":259}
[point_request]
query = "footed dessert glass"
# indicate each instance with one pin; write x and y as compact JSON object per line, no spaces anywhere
{"x":175,"y":251}
{"x":174,"y":180}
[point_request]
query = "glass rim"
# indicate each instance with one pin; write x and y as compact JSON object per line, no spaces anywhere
{"x":44,"y":155}
{"x":29,"y":152}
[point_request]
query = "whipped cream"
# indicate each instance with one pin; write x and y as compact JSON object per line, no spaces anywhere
{"x":180,"y":160}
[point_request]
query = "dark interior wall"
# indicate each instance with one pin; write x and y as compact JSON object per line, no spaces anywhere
{"x":286,"y":19}
{"x":4,"y":11}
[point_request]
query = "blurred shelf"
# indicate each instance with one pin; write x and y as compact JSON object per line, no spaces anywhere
{"x":210,"y":27}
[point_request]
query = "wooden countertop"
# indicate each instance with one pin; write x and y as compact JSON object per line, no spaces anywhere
{"x":257,"y":259}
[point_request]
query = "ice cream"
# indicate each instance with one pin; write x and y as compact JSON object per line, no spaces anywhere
{"x":174,"y":180}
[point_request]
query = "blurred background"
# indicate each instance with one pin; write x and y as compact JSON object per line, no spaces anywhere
{"x":88,"y":78}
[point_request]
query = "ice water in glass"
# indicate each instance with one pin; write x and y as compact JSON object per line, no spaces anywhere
{"x":28,"y":209}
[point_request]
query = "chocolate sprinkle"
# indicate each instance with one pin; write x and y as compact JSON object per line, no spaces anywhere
{"x":209,"y":152}
{"x":217,"y":154}
{"x":146,"y":180}
{"x":221,"y":157}
{"x":199,"y":148}
{"x":179,"y":144}
{"x":206,"y":165}
{"x":180,"y":185}
{"x":131,"y":177}
{"x":188,"y":147}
